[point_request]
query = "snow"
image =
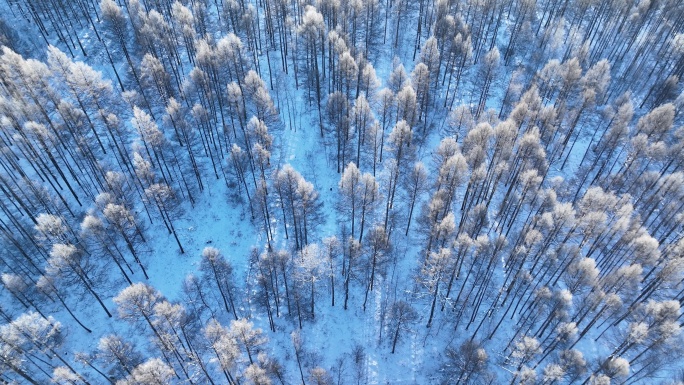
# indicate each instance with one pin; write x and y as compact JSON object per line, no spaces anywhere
{"x":220,"y":218}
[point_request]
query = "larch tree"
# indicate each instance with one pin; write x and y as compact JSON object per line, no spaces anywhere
{"x":352,"y":251}
{"x":310,"y":269}
{"x":378,"y":249}
{"x":406,"y":105}
{"x":151,"y":372}
{"x":452,"y":172}
{"x":338,"y":114}
{"x":116,"y":24}
{"x":240,"y":162}
{"x":89,"y":91}
{"x":331,"y":247}
{"x":69,"y":263}
{"x":359,"y":193}
{"x":487,"y":72}
{"x":175,"y":326}
{"x":369,"y":81}
{"x":217,"y":271}
{"x":362,"y":119}
{"x":162,"y":153}
{"x":319,"y":376}
{"x":349,"y":184}
{"x":312,"y":28}
{"x":136,"y":303}
{"x":402,"y":315}
{"x":399,"y":151}
{"x":30,"y":334}
{"x":285,"y":184}
{"x":224,"y":347}
{"x":414,"y":187}
{"x":524,"y":351}
{"x":139,"y":302}
{"x":247,"y":337}
{"x":164,"y":199}
{"x":461,"y":56}
{"x":21,"y":291}
{"x":94,"y":234}
{"x":122,"y":221}
{"x":421,"y":81}
{"x":185,"y":136}
{"x":459,"y":122}
{"x":153,"y":75}
{"x":348,"y":73}
{"x":468,"y":363}
{"x":310,"y":209}
{"x":398,"y":78}
{"x":431,"y":57}
{"x":12,"y":358}
{"x":262,"y":162}
{"x":431,"y":276}
{"x":117,"y":354}
{"x":260,"y":102}
{"x":183,"y":24}
{"x":257,"y":375}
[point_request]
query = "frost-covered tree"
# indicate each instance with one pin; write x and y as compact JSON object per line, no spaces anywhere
{"x":330,"y":247}
{"x":300,"y":204}
{"x":402,"y":314}
{"x":262,"y":161}
{"x":21,"y":291}
{"x":153,"y":75}
{"x":352,"y":251}
{"x":319,"y":376}
{"x":467,"y":364}
{"x":249,"y":338}
{"x":162,"y":154}
{"x":117,"y":26}
{"x":406,"y":105}
{"x":369,"y":81}
{"x":136,"y":303}
{"x":414,"y":186}
{"x":525,"y":350}
{"x":151,"y":372}
{"x":164,"y":199}
{"x":348,"y":74}
{"x":93,"y":232}
{"x":432,"y":274}
{"x":118,"y":355}
{"x":338,"y":116}
{"x":378,"y":249}
{"x":312,"y":28}
{"x":399,"y":152}
{"x":73,"y":266}
{"x":87,"y":89}
{"x":217,"y":272}
{"x":309,"y":270}
{"x":421,"y":82}
{"x":25,"y":337}
{"x":487,"y":73}
{"x":256,"y":375}
{"x":123,"y":223}
{"x":224,"y":347}
{"x":398,"y":78}
{"x":141,"y":302}
{"x":362,"y":119}
{"x":260,"y":102}
{"x":359,"y":195}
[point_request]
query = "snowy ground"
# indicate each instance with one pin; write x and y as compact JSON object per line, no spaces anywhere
{"x":221,"y":220}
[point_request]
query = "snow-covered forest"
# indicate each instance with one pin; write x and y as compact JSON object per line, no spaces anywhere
{"x":341,"y":192}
